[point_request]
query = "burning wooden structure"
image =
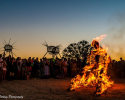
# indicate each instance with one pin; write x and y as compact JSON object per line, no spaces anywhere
{"x":95,"y":72}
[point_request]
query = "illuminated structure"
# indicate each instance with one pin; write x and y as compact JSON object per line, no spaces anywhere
{"x":8,"y":48}
{"x":53,"y":50}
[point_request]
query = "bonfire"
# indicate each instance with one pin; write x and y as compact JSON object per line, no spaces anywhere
{"x":95,"y":72}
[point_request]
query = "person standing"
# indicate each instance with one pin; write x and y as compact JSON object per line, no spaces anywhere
{"x":64,"y":65}
{"x":51,"y":68}
{"x":47,"y":69}
{"x":74,"y":69}
{"x":12,"y":69}
{"x":29,"y":69}
{"x":1,"y":67}
{"x":9,"y":64}
{"x":41,"y":68}
{"x":61,"y":72}
{"x":57,"y":67}
{"x":18,"y":64}
{"x":36,"y":67}
{"x":4,"y":69}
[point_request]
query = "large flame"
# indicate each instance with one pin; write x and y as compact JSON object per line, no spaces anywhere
{"x":95,"y":72}
{"x":100,"y":38}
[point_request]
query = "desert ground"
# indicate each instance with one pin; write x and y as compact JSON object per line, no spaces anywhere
{"x":56,"y":89}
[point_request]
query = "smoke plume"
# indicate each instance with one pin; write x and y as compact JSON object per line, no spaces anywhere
{"x":116,"y":36}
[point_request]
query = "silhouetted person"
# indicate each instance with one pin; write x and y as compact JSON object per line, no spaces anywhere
{"x":42,"y":68}
{"x":1,"y":66}
{"x":51,"y":68}
{"x":47,"y":69}
{"x":36,"y":67}
{"x":9,"y":64}
{"x":122,"y":67}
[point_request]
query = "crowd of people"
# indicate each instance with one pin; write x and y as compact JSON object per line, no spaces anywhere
{"x":18,"y":69}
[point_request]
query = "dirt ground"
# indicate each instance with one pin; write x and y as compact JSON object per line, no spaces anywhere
{"x":56,"y":89}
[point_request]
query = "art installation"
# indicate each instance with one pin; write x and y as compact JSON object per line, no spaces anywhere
{"x":8,"y":48}
{"x":53,"y":50}
{"x":77,"y":50}
{"x":95,"y":72}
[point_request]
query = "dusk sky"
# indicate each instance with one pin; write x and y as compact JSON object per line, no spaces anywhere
{"x":32,"y":22}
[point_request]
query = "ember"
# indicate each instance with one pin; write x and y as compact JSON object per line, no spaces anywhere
{"x":95,"y":72}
